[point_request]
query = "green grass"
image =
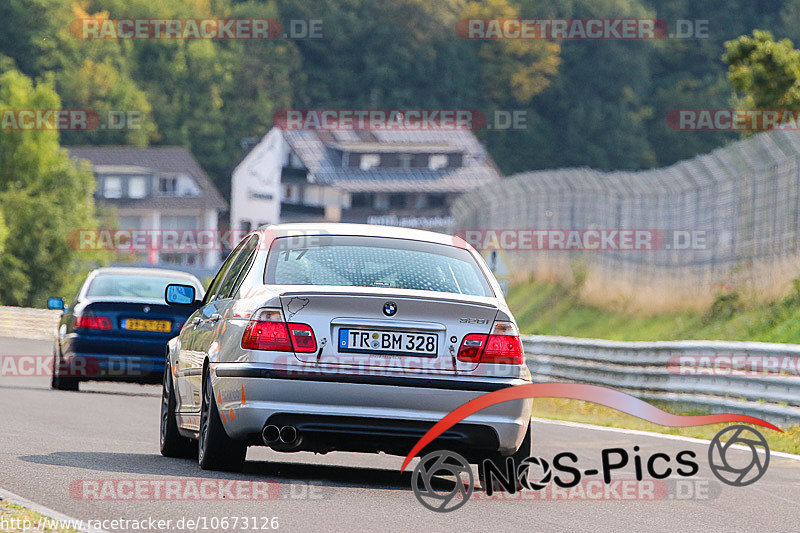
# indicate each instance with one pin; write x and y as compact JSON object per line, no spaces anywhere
{"x":553,"y":309}
{"x":598,"y":415}
{"x":13,"y":515}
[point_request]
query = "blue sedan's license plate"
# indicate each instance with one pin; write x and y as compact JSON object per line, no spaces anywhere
{"x":388,"y":342}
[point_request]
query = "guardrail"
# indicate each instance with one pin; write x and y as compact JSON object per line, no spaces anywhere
{"x":21,"y":322}
{"x":643,"y":369}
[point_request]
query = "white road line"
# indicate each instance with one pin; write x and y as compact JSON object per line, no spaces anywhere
{"x":47,"y":512}
{"x":773,"y":453}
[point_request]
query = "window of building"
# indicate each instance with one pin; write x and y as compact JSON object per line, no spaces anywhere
{"x":183,"y":259}
{"x":137,"y":187}
{"x":288,"y":192}
{"x":369,"y":161}
{"x":130,"y":222}
{"x":381,"y":201}
{"x":178,"y":222}
{"x":167,"y":185}
{"x":437,"y":200}
{"x":112,"y":187}
{"x":245,"y":225}
{"x":404,"y":160}
{"x":437,"y":161}
{"x":360,"y":199}
{"x":397,"y":201}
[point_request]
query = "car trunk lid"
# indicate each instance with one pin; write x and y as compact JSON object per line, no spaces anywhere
{"x":396,"y":331}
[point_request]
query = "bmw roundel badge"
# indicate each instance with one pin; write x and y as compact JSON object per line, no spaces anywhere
{"x":389,"y":308}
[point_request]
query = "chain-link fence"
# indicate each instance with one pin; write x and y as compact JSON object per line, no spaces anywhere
{"x":728,"y":220}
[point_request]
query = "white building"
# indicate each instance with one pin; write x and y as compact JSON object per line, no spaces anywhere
{"x":403,"y":178}
{"x":157,"y":189}
{"x":256,"y":182}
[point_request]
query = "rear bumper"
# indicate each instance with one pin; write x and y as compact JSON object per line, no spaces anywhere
{"x":104,"y":344}
{"x":112,"y":367}
{"x":365,"y":412}
{"x":102,"y":357}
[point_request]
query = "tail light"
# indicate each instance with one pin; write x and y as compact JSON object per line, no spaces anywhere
{"x":303,"y":338}
{"x":501,"y":346}
{"x":472,"y":347}
{"x":267,"y":331}
{"x":93,"y":322}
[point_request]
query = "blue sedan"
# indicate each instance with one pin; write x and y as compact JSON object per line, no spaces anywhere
{"x":118,"y":326}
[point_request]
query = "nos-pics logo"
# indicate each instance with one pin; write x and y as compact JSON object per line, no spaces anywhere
{"x":536,"y":473}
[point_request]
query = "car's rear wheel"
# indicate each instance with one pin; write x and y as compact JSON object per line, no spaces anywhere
{"x":522,"y":453}
{"x":217,"y":451}
{"x":173,"y":444}
{"x":60,"y":382}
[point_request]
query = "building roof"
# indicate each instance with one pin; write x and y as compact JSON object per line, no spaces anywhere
{"x":318,"y":152}
{"x":392,"y":147}
{"x":161,"y":159}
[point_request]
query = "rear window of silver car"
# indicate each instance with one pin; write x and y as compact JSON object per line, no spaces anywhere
{"x":355,"y":261}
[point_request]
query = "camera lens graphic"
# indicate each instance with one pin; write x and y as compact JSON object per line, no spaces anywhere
{"x":442,"y":463}
{"x":738,"y":473}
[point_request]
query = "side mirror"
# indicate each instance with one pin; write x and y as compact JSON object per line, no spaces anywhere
{"x":55,"y":303}
{"x":176,"y":294}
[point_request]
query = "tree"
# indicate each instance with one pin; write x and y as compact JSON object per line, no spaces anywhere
{"x":94,"y":75}
{"x":765,"y":73}
{"x":43,"y":197}
{"x":593,"y":112}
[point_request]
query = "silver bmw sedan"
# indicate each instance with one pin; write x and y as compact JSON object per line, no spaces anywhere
{"x":325,"y":337}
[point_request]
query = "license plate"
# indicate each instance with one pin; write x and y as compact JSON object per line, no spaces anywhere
{"x":161,"y":326}
{"x":388,"y":342}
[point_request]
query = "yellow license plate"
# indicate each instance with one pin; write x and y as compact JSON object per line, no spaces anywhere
{"x":162,"y":326}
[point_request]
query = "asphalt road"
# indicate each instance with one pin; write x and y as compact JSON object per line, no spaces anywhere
{"x":57,"y":448}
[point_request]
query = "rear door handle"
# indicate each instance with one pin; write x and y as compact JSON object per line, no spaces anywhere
{"x":214,"y":318}
{"x":196,"y":320}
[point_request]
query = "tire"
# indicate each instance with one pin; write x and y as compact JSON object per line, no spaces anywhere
{"x":522,"y":453}
{"x":216,"y":451}
{"x":172,"y":443}
{"x":59,"y":382}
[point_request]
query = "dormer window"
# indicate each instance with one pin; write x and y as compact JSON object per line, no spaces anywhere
{"x":437,"y":161}
{"x":369,"y":161}
{"x":112,"y":187}
{"x":137,"y":187}
{"x":167,"y":186}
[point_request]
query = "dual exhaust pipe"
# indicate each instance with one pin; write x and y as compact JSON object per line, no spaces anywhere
{"x":287,"y":435}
